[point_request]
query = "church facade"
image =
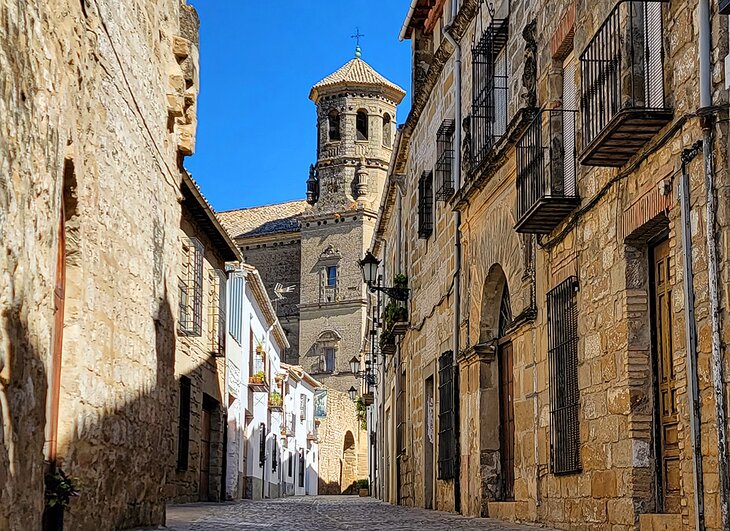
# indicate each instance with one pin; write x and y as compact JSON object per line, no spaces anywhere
{"x":307,"y":253}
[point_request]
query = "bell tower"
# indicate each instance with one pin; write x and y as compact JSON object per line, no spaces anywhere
{"x":355,"y":133}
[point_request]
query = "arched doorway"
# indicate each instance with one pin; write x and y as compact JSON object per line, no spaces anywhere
{"x":348,"y":463}
{"x":506,"y":401}
{"x":497,"y":448}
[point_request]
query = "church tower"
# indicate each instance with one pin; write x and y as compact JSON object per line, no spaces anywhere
{"x":356,"y":109}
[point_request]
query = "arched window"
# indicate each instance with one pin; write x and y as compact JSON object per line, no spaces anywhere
{"x":361,"y":124}
{"x":386,"y":130}
{"x":333,"y":121}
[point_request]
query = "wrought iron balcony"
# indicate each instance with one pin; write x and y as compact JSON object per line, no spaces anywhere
{"x":623,"y":95}
{"x":546,"y":184}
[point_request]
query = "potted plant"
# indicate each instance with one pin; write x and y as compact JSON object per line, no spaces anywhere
{"x":258,"y":377}
{"x":58,"y":493}
{"x":275,"y":399}
{"x":363,"y":488}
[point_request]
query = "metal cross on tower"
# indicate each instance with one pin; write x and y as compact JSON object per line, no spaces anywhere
{"x":357,"y":37}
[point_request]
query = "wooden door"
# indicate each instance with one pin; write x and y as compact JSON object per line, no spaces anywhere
{"x":668,"y":447}
{"x":507,"y":422}
{"x":203,"y":489}
{"x":429,"y":435}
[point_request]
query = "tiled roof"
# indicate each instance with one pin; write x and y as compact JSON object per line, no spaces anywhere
{"x":357,"y":73}
{"x":267,"y":219}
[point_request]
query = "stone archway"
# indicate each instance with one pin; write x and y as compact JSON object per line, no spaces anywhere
{"x":348,"y":463}
{"x":496,"y":417}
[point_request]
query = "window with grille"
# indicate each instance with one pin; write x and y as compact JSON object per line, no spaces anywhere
{"x":563,"y":366}
{"x":235,"y":308}
{"x":447,"y":418}
{"x":445,"y":160}
{"x":191,"y":288}
{"x":262,"y":445}
{"x":425,"y":205}
{"x":489,"y":90}
{"x":401,"y":415}
{"x":183,"y":428}
{"x":301,"y":468}
{"x":217,"y":305}
{"x":302,"y":406}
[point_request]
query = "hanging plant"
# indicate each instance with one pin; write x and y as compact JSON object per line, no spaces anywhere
{"x":60,"y":488}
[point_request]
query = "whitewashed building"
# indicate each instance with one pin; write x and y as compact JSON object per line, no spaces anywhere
{"x":253,"y":388}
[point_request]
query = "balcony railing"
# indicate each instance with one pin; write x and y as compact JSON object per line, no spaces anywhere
{"x":623,"y":95}
{"x":546,"y":184}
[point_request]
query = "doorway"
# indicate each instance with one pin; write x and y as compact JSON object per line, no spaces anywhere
{"x":665,"y":384}
{"x":506,"y":402}
{"x":428,"y":467}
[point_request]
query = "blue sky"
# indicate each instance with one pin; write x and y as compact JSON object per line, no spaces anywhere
{"x":256,"y":125}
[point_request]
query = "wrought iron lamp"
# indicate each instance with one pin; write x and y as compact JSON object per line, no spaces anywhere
{"x":369,"y":266}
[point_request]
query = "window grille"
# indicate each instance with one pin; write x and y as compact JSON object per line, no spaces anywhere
{"x":447,"y":418}
{"x":217,"y":305}
{"x":425,"y":205}
{"x":400,"y":414}
{"x":489,"y":90}
{"x":191,"y":288}
{"x":302,"y":407}
{"x":235,"y":308}
{"x":183,"y":429}
{"x":563,"y":365}
{"x":445,"y":159}
{"x":622,"y":68}
{"x":301,"y":468}
{"x":262,"y":445}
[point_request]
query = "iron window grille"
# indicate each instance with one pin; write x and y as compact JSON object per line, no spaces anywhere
{"x":301,"y":468}
{"x":191,"y":288}
{"x":546,"y":169}
{"x":183,"y":428}
{"x":445,"y":160}
{"x":401,"y":416}
{"x":489,"y":90}
{"x":447,"y":418}
{"x":302,"y":407}
{"x":622,"y":68}
{"x":425,"y":205}
{"x":262,"y":445}
{"x":217,"y":305}
{"x":563,"y":366}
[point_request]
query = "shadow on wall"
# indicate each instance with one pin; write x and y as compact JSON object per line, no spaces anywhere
{"x":23,"y":380}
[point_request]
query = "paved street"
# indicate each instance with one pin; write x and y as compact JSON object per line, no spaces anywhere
{"x":320,"y":513}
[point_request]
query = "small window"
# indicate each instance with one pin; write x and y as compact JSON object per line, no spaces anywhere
{"x":301,"y":467}
{"x":329,"y":359}
{"x":387,"y":130}
{"x":331,"y":276}
{"x":333,"y":122}
{"x":302,"y":407}
{"x":361,"y":124}
{"x":183,"y":428}
{"x":563,"y":366}
{"x":444,"y":160}
{"x":190,"y":283}
{"x":290,"y":463}
{"x":425,"y":205}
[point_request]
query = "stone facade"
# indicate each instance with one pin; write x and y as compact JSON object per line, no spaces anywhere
{"x":607,"y":244}
{"x":86,"y":146}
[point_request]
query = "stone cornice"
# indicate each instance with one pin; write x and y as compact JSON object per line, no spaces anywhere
{"x":316,"y":306}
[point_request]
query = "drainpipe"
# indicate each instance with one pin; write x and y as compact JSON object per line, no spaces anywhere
{"x":691,"y":338}
{"x":707,"y":122}
{"x":457,"y":240}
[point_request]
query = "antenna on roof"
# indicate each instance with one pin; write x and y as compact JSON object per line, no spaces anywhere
{"x":357,"y":36}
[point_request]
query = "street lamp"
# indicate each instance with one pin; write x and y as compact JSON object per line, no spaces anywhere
{"x":369,"y":266}
{"x":352,"y":392}
{"x":355,"y":365}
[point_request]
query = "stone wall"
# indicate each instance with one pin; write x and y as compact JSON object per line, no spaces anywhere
{"x":608,"y":248}
{"x":96,"y":111}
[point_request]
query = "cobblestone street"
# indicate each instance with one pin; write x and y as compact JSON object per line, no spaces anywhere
{"x":320,"y":513}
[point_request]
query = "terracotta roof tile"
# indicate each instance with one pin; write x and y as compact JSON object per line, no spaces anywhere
{"x":357,"y":73}
{"x":267,"y":219}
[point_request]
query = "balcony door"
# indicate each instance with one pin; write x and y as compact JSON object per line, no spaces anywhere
{"x":668,"y":471}
{"x":570,"y":103}
{"x":506,"y":403}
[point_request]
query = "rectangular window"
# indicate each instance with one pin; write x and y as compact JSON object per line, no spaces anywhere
{"x":425,"y":205}
{"x":447,"y":418}
{"x":563,"y":366}
{"x":401,"y":414}
{"x":191,"y":288}
{"x":217,"y":305}
{"x":445,"y":160}
{"x":331,"y":276}
{"x":183,"y":429}
{"x":329,"y":359}
{"x":489,"y":90}
{"x":235,"y":308}
{"x":302,"y":407}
